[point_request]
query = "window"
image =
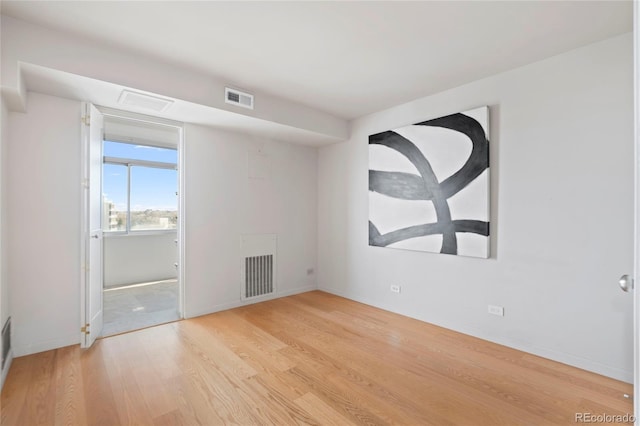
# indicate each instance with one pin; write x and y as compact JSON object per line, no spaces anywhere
{"x":114,"y":197}
{"x":139,"y":188}
{"x":153,"y":198}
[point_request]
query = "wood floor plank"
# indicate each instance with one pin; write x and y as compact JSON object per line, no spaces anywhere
{"x":233,"y":322}
{"x":212,"y":350}
{"x":172,"y":418}
{"x":218,"y":384}
{"x":101,"y":406}
{"x":312,"y":358}
{"x":348,"y":404}
{"x":275,"y":407}
{"x":280,"y":382}
{"x":14,"y":391}
{"x":128,"y":392}
{"x":41,"y":398}
{"x":323,"y":413}
{"x":248,"y":342}
{"x":193,"y":404}
{"x":163,"y":349}
{"x":70,"y":400}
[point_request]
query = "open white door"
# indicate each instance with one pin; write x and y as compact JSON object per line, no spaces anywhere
{"x":91,"y":288}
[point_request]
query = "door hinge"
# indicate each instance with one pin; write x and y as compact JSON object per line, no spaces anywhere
{"x":85,"y":329}
{"x":85,"y":183}
{"x":86,"y":119}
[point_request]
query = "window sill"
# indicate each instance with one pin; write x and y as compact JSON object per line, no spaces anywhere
{"x":124,"y":234}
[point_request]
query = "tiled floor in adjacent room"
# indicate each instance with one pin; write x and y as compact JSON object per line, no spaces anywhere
{"x":139,"y":306}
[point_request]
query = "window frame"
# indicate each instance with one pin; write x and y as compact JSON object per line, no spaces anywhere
{"x":129,"y":162}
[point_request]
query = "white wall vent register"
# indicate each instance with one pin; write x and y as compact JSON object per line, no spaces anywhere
{"x":238,"y":98}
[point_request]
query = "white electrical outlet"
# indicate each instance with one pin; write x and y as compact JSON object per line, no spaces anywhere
{"x":395,"y":288}
{"x":496,"y":310}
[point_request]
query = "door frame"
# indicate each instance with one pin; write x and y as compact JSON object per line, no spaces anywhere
{"x":182,"y":289}
{"x":181,"y":204}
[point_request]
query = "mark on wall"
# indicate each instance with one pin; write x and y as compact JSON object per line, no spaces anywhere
{"x":429,"y":185}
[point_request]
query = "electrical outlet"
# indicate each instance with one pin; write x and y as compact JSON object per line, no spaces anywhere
{"x":395,"y":288}
{"x":496,"y":310}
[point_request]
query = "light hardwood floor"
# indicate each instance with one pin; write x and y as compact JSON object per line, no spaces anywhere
{"x":312,"y":358}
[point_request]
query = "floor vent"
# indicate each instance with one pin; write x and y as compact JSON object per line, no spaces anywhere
{"x":6,"y":342}
{"x":259,"y":265}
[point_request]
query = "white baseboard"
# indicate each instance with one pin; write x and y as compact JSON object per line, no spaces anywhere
{"x":238,"y":303}
{"x":45,"y":345}
{"x":5,"y":370}
{"x":562,"y":357}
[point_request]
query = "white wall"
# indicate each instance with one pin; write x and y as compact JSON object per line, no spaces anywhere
{"x":4,"y":288}
{"x":222,"y":204}
{"x":561,"y":214}
{"x":43,"y":207}
{"x":154,"y":254}
{"x":4,"y":283}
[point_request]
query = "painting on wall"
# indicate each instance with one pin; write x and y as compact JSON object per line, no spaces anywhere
{"x":429,"y":185}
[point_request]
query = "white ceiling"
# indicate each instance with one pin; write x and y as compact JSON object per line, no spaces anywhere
{"x":345,"y":58}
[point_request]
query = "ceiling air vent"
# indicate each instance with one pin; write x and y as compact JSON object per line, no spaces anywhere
{"x":142,"y":100}
{"x":236,"y":97}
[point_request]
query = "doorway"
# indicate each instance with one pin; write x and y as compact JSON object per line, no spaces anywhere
{"x":140,"y":222}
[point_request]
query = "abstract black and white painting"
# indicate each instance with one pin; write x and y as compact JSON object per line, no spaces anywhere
{"x":429,"y":185}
